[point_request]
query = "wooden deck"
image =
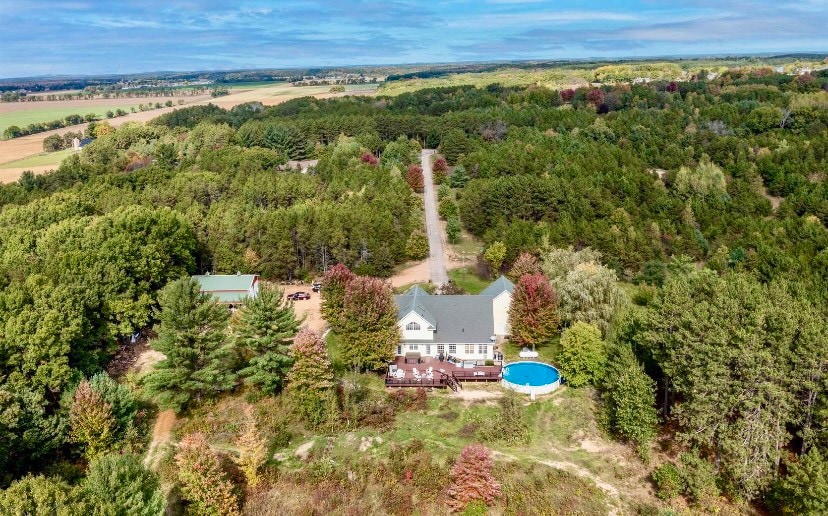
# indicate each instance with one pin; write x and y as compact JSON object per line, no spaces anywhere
{"x":445,"y":374}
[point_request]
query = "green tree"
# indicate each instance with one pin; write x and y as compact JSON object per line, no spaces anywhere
{"x":311,"y":379}
{"x":706,"y":179}
{"x":193,"y":338}
{"x":120,"y":485}
{"x":370,"y":331}
{"x":39,"y":495}
{"x":454,"y":145}
{"x":335,"y":282}
{"x":453,"y":230}
{"x":494,"y":256}
{"x":583,"y":354}
{"x":264,"y":328}
{"x":804,"y":490}
{"x":629,"y":398}
{"x":53,"y":143}
{"x":533,"y":314}
{"x":417,"y":246}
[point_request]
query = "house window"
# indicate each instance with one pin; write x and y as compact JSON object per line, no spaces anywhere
{"x":428,"y":349}
{"x":469,"y":349}
{"x":452,"y":349}
{"x":481,"y":349}
{"x":412,"y":326}
{"x":413,"y":347}
{"x":441,"y":349}
{"x":399,"y":349}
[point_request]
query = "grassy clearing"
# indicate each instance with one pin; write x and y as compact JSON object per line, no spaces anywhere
{"x":547,"y":353}
{"x":468,"y":280}
{"x":39,"y":160}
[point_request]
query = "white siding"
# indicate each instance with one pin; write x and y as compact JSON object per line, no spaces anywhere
{"x":500,"y":312}
{"x":422,"y":334}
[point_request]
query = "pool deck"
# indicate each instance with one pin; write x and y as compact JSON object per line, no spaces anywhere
{"x":445,"y":374}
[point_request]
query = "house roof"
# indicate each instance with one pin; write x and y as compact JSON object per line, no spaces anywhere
{"x":460,"y":319}
{"x":412,"y":301}
{"x":498,"y":286}
{"x":228,"y":288}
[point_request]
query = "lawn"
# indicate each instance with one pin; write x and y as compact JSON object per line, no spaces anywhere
{"x":39,"y":160}
{"x":36,"y":115}
{"x":466,"y":279}
{"x":547,"y":353}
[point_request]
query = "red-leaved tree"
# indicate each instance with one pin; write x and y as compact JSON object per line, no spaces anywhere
{"x":533,"y":314}
{"x":369,"y":158}
{"x":440,"y":165}
{"x":595,"y":96}
{"x":414,"y":177}
{"x":333,"y":294}
{"x":472,"y":478}
{"x":567,"y":95}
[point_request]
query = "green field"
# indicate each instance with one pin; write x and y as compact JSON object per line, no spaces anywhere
{"x":42,"y":115}
{"x":39,"y":160}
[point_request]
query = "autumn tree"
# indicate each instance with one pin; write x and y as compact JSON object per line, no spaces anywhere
{"x":526,"y":263}
{"x":583,"y":354}
{"x":252,"y":447}
{"x":333,"y":295}
{"x":193,"y":338}
{"x":472,"y":478}
{"x":533,"y":316}
{"x":311,"y":379}
{"x":204,"y":483}
{"x":414,"y":177}
{"x":91,"y":421}
{"x":264,"y":329}
{"x":370,"y":330}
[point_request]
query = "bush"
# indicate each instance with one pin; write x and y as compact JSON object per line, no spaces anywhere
{"x":699,"y":478}
{"x":583,"y":355}
{"x":447,"y":209}
{"x":453,"y":230}
{"x":509,"y":425}
{"x":417,"y":246}
{"x":668,"y":481}
{"x":472,"y":478}
{"x":53,"y":143}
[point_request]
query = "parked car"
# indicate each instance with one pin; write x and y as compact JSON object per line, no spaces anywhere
{"x":297,"y":296}
{"x":316,"y":286}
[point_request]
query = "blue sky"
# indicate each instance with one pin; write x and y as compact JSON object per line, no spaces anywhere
{"x":122,"y":36}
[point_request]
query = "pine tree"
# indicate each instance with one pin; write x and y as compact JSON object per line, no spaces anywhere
{"x":91,"y":421}
{"x":204,"y":482}
{"x":629,"y":398}
{"x":804,"y":490}
{"x":533,"y":313}
{"x":472,"y":478}
{"x":370,"y":332}
{"x":264,"y":329}
{"x":311,"y":379}
{"x":193,"y":338}
{"x":120,"y":485}
{"x":454,"y":145}
{"x":333,"y":294}
{"x":252,"y":448}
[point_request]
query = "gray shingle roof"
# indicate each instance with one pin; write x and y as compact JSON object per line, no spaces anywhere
{"x":458,"y":319}
{"x":413,"y":301}
{"x":498,"y":286}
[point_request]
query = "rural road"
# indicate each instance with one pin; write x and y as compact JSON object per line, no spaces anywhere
{"x":436,"y":255}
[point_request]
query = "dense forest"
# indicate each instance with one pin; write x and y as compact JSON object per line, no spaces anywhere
{"x":707,"y":200}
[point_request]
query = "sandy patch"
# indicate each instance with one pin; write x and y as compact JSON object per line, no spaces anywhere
{"x":417,"y":273}
{"x":473,"y":395}
{"x":161,"y":434}
{"x":310,"y":309}
{"x":304,"y":450}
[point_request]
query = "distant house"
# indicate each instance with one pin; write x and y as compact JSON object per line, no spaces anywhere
{"x":78,"y":144}
{"x":465,"y":327}
{"x":230,"y":289}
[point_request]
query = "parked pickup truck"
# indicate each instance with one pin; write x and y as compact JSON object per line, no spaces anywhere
{"x":316,"y":287}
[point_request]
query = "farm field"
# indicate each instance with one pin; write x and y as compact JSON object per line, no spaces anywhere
{"x":38,"y":160}
{"x":39,"y":114}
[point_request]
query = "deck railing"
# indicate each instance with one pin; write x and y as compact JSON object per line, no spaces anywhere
{"x":476,"y":376}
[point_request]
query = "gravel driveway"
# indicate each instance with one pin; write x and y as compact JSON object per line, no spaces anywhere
{"x":436,"y":256}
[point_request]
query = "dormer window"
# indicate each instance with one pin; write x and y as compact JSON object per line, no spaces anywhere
{"x":412,"y":326}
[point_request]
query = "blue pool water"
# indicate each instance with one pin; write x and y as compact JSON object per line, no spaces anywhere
{"x":530,"y":373}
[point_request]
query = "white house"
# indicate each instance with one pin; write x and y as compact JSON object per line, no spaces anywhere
{"x":463,"y":326}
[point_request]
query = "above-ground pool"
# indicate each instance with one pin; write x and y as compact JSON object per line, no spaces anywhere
{"x":531,"y":377}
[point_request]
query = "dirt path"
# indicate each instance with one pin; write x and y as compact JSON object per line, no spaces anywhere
{"x":161,"y":434}
{"x":436,"y":252}
{"x":418,"y":273}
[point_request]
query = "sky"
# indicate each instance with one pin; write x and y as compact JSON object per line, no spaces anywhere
{"x":39,"y":37}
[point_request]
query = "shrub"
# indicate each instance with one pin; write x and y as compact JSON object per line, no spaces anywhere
{"x":453,"y":230}
{"x":509,"y":425}
{"x":699,"y":478}
{"x":417,"y":246}
{"x":448,"y":209}
{"x":668,"y":481}
{"x":583,"y":355}
{"x":120,"y":484}
{"x":204,"y":483}
{"x":91,"y":421}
